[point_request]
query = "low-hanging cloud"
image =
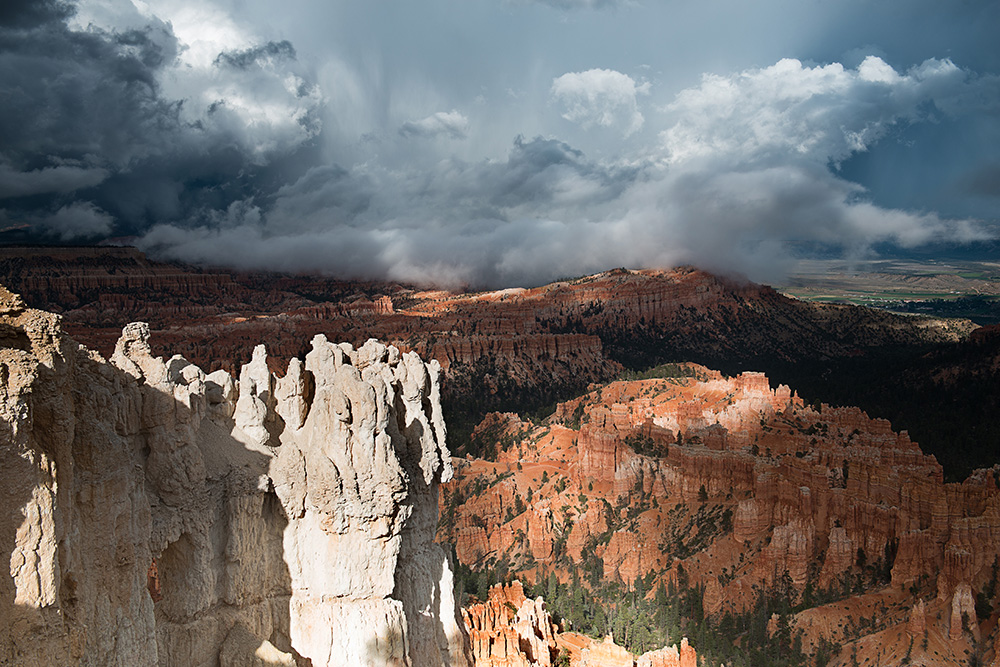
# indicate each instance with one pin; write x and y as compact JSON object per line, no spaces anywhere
{"x":61,"y":179}
{"x":79,"y":220}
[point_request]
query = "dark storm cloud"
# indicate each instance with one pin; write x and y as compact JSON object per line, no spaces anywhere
{"x":326,"y":195}
{"x":537,"y":172}
{"x":246,"y":58}
{"x":83,"y":95}
{"x":78,"y":107}
{"x":21,"y":14}
{"x":86,"y":127}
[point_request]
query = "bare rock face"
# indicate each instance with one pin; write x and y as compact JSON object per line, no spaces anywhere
{"x":243,"y":649}
{"x":157,"y":515}
{"x":358,"y":482}
{"x":75,"y":523}
{"x":917,"y":623}
{"x":963,"y":613}
{"x":606,"y":654}
{"x":670,"y":656}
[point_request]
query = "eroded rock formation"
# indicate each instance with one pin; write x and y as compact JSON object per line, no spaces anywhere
{"x":738,"y":488}
{"x":509,"y":629}
{"x":156,"y":515}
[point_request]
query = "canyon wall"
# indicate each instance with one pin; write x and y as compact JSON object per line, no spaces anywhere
{"x":156,"y":515}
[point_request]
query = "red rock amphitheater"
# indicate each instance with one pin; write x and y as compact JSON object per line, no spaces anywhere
{"x":743,"y":488}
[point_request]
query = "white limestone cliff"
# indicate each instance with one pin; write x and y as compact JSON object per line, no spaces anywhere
{"x":156,"y":515}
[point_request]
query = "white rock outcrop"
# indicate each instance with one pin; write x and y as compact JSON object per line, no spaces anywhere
{"x":156,"y":515}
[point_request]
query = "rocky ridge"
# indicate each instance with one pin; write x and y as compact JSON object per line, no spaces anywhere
{"x":157,"y":514}
{"x":504,"y":349}
{"x":735,"y":488}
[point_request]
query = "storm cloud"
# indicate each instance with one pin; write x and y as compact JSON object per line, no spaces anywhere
{"x":86,"y":124}
{"x":229,"y":137}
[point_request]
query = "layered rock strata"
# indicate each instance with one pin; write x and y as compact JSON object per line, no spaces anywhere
{"x":157,"y":515}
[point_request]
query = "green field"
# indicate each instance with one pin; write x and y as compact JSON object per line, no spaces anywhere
{"x":957,"y":289}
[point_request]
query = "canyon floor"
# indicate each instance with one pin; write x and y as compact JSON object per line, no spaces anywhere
{"x":931,"y":287}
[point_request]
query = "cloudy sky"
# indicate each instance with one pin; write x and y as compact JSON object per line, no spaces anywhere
{"x":502,"y":142}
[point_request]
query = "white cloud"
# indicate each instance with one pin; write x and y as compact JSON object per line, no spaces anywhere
{"x":601,"y":97}
{"x":452,"y":124}
{"x":873,"y":68}
{"x":204,"y":29}
{"x":789,"y":110}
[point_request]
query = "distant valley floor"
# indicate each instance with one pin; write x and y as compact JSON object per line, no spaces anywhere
{"x":969,"y":289}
